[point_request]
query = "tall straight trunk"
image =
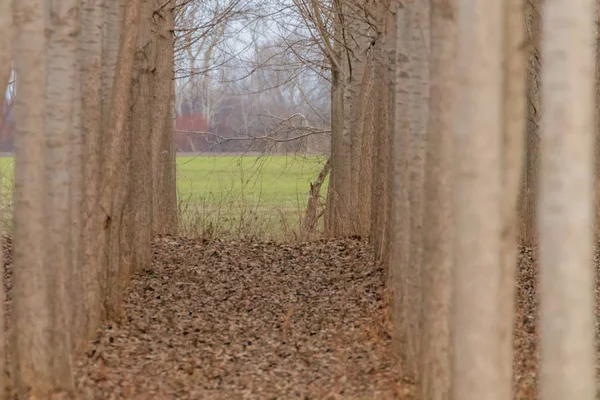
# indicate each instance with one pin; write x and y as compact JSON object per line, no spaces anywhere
{"x":514,"y":137}
{"x":418,"y":113}
{"x":478,"y":203}
{"x":112,"y":191}
{"x":162,"y":212}
{"x":384,"y":125}
{"x":140,"y":201}
{"x":529,"y":182}
{"x":597,"y":119}
{"x":33,"y":372}
{"x":438,"y":255}
{"x":566,"y":202}
{"x":60,"y":96}
{"x":91,"y":56}
{"x":76,"y":166}
{"x":399,"y":206}
{"x":6,"y":35}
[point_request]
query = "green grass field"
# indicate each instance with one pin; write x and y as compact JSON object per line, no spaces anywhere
{"x":235,"y":195}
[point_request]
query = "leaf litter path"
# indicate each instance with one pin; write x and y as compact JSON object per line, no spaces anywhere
{"x":242,"y":319}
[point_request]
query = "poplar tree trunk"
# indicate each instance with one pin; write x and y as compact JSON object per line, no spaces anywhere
{"x":514,"y":110}
{"x":113,"y":177}
{"x":566,"y":202}
{"x":438,"y":255}
{"x":60,"y":96}
{"x":478,"y":203}
{"x":91,"y":59}
{"x":32,"y":316}
{"x":139,"y":205}
{"x":164,"y":209}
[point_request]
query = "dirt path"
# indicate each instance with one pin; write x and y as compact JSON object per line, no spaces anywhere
{"x":233,"y":320}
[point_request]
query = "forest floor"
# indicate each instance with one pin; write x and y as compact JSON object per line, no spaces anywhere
{"x":222,"y":319}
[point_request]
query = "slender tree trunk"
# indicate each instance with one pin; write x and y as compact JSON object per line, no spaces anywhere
{"x":6,"y":38}
{"x":383,"y":129}
{"x":514,"y":137}
{"x":566,"y":202}
{"x":60,"y":96}
{"x":33,"y":372}
{"x":418,"y":109}
{"x":140,"y":201}
{"x":436,"y":274}
{"x":478,"y":195}
{"x":112,"y":192}
{"x":163,"y":163}
{"x":530,"y":177}
{"x":399,"y":206}
{"x":92,"y":17}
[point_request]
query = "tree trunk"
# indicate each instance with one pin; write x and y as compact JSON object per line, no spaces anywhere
{"x":6,"y":38}
{"x":399,"y":209}
{"x":33,"y":372}
{"x":60,"y":96}
{"x":112,"y":191}
{"x":418,"y":95}
{"x":514,"y":109}
{"x":566,"y":203}
{"x":162,"y":212}
{"x":139,"y":205}
{"x":477,"y":195}
{"x":438,"y":256}
{"x":528,"y":194}
{"x":91,"y":56}
{"x":384,"y":125}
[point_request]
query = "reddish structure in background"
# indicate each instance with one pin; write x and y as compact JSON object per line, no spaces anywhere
{"x":190,"y":133}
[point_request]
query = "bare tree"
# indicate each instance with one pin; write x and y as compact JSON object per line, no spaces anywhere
{"x":565,"y":206}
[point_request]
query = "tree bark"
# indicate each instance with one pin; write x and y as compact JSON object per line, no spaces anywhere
{"x":63,"y":29}
{"x":566,"y":202}
{"x":438,"y":255}
{"x":112,"y":191}
{"x":139,"y":205}
{"x":91,"y":56}
{"x":477,"y":195}
{"x":514,"y":118}
{"x":162,"y":159}
{"x":33,"y":372}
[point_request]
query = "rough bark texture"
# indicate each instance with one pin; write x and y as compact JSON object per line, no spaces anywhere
{"x":514,"y":109}
{"x":418,"y":95}
{"x":436,"y":274}
{"x":162,"y":148}
{"x":399,"y":209}
{"x":530,"y":177}
{"x":92,"y":16}
{"x":384,"y":125}
{"x":477,"y":194}
{"x":62,"y":30}
{"x":112,"y":190}
{"x":566,"y":202}
{"x":31,"y":309}
{"x":6,"y":39}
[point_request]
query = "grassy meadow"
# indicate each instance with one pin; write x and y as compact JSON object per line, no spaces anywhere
{"x":245,"y":196}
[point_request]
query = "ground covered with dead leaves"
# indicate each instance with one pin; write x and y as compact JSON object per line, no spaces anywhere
{"x":232,"y":320}
{"x":253,"y":320}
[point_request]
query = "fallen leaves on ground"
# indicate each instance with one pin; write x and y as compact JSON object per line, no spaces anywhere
{"x":225,"y":319}
{"x":242,"y":319}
